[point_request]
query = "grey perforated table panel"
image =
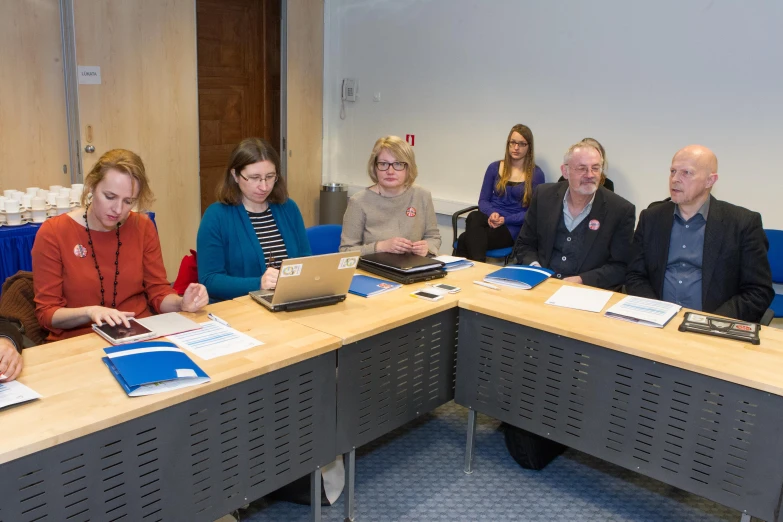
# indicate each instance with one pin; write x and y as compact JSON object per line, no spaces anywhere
{"x":195,"y":461}
{"x":390,"y":379}
{"x":707,"y":436}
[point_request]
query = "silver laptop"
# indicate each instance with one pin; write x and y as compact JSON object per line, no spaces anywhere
{"x":308,"y":282}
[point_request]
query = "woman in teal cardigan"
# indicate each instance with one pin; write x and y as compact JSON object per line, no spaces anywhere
{"x":252,"y":228}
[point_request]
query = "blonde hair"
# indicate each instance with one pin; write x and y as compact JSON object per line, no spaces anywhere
{"x":528,"y":167}
{"x":126,"y":162}
{"x":401,"y":151}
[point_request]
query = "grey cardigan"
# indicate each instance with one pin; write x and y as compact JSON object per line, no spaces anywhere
{"x":371,"y":217}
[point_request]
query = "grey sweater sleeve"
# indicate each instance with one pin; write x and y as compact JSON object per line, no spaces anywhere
{"x":352,"y":237}
{"x":431,"y":231}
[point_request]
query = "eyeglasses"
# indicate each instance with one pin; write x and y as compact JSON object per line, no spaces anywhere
{"x":514,"y":144}
{"x":582,"y":169}
{"x":384,"y":165}
{"x":257,"y":180}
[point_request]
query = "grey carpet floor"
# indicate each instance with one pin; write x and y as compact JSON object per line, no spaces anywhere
{"x":415,"y":474}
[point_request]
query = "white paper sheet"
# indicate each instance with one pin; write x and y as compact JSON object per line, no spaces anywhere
{"x":168,"y":324}
{"x":214,"y":340}
{"x":15,"y":392}
{"x":454,"y":263}
{"x":579,"y":298}
{"x":449,"y":259}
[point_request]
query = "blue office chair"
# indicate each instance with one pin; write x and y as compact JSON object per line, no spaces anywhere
{"x":324,"y":239}
{"x":499,"y":253}
{"x":775,"y":254}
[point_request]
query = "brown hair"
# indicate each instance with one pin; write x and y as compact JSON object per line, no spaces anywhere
{"x":528,"y":166}
{"x":126,"y":162}
{"x":600,"y":147}
{"x":249,"y":151}
{"x":401,"y":152}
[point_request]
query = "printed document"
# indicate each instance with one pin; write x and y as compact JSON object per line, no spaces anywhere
{"x":214,"y":340}
{"x":649,"y":312}
{"x":15,"y":392}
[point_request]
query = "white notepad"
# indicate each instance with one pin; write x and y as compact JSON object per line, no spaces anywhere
{"x":580,"y":298}
{"x":167,"y":324}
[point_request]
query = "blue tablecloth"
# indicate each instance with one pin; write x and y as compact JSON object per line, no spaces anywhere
{"x":16,"y":243}
{"x":16,"y":246}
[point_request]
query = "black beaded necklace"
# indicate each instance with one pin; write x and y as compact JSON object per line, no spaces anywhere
{"x":95,"y":260}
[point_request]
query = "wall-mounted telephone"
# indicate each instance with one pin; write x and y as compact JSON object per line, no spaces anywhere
{"x":349,"y":89}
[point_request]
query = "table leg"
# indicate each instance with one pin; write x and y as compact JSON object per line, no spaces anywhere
{"x":315,"y":495}
{"x":471,"y":441}
{"x":350,"y":475}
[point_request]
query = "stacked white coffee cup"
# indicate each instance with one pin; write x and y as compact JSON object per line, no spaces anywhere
{"x":36,"y":204}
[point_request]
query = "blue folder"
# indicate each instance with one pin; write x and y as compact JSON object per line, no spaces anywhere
{"x":152,"y":367}
{"x":519,"y":276}
{"x":366,"y":286}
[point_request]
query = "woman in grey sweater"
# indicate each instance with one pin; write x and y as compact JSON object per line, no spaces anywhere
{"x":393,"y":215}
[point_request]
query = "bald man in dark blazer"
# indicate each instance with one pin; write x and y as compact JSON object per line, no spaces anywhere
{"x":700,"y":252}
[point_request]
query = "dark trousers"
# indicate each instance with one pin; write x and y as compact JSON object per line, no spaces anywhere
{"x":480,"y":237}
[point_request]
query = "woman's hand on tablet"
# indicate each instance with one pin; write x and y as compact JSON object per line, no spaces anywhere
{"x":110,"y":316}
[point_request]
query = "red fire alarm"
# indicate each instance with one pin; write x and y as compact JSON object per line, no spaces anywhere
{"x":410,"y":139}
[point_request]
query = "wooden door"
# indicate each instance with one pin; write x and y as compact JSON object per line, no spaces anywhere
{"x":147,"y":102}
{"x":304,"y":107}
{"x":238,"y":81}
{"x":33,"y":127}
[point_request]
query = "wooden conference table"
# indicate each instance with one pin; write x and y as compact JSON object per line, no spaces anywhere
{"x":397,"y":361}
{"x":90,"y":452}
{"x":86,"y":451}
{"x":701,"y":413}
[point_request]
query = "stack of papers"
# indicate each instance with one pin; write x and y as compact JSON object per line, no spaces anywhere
{"x":648,"y":312}
{"x":15,"y":392}
{"x":454,"y":263}
{"x":579,"y":298}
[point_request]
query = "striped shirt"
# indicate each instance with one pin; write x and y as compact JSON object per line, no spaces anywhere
{"x":269,"y":236}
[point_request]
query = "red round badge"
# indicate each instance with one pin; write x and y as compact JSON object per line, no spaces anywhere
{"x":410,"y":212}
{"x":594,"y":224}
{"x":79,"y":251}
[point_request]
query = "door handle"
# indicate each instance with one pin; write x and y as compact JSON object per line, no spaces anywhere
{"x":89,"y":148}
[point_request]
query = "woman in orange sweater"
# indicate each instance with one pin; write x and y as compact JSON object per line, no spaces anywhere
{"x":101,"y":262}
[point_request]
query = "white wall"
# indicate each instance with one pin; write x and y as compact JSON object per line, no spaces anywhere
{"x":644,"y":78}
